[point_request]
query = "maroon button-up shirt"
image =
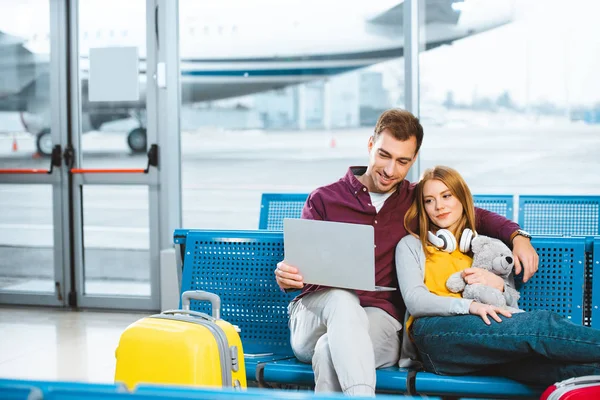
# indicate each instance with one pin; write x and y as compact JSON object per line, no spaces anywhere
{"x":349,"y":201}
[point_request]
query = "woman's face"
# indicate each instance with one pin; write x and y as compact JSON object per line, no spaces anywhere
{"x":442,"y":207}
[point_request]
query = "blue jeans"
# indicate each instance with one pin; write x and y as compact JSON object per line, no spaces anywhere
{"x":537,"y":347}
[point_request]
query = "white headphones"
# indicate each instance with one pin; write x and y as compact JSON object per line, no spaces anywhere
{"x":445,"y":240}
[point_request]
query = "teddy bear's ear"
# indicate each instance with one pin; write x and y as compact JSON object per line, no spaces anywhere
{"x":478,"y":243}
{"x":502,"y":248}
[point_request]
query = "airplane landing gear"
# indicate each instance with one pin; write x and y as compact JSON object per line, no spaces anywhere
{"x":43,"y":142}
{"x":136,"y":139}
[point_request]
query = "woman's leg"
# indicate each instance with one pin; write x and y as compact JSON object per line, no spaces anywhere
{"x":537,"y":370}
{"x":465,"y":344}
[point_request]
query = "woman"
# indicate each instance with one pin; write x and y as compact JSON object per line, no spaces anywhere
{"x":450,"y":335}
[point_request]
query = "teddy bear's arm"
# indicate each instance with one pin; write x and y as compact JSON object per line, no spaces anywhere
{"x":456,"y":283}
{"x":511,"y":295}
{"x":485,"y":294}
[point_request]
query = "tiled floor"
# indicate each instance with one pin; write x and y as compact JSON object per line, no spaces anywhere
{"x":52,"y":344}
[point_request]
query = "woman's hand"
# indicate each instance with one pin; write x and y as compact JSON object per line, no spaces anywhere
{"x":287,"y":277}
{"x":483,"y":310}
{"x":484,"y":277}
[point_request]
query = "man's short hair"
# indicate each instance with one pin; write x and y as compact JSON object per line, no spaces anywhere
{"x":401,"y":124}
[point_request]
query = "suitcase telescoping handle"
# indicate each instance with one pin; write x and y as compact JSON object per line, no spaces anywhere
{"x":201,"y":295}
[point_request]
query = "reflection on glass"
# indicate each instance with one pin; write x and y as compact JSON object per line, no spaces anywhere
{"x":279,"y":97}
{"x":24,"y":83}
{"x":116,"y":240}
{"x":26,"y":239}
{"x":517,"y":108}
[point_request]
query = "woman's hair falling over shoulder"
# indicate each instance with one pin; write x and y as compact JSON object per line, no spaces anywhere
{"x":416,"y":216}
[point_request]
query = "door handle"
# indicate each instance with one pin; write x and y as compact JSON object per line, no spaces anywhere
{"x":55,"y":161}
{"x":152,"y":162}
{"x":55,"y":158}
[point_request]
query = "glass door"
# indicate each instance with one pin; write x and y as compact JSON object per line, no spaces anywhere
{"x":33,"y":221}
{"x":85,"y":87}
{"x":116,"y":180}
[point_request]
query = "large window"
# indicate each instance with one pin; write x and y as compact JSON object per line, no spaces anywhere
{"x":26,"y":217}
{"x":516,"y":109}
{"x":278,"y":97}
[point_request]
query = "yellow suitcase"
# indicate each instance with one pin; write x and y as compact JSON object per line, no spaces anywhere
{"x":182,"y":347}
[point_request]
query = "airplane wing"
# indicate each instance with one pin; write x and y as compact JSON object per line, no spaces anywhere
{"x":446,"y":20}
{"x":19,"y":69}
{"x":436,"y":11}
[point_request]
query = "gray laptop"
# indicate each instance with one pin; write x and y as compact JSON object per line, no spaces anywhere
{"x":333,"y":254}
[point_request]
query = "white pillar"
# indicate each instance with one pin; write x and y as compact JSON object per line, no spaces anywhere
{"x":411,"y":69}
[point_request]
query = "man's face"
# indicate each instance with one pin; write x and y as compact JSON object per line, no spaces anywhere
{"x":389,"y":161}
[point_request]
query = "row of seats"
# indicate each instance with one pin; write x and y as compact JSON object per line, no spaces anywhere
{"x":56,"y":390}
{"x":239,"y":265}
{"x":540,"y":215}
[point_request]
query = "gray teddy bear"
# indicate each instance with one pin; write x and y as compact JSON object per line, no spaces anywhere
{"x":495,"y":256}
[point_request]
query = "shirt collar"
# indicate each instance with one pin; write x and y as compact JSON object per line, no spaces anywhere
{"x":356,"y":185}
{"x":350,"y":178}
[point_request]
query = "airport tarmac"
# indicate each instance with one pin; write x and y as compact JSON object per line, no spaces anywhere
{"x":224,"y":174}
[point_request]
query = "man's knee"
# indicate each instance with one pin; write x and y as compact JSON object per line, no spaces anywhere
{"x":341,"y":296}
{"x":344,"y":304}
{"x":323,"y":312}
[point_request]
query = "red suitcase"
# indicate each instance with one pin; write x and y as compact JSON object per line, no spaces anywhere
{"x":584,"y":387}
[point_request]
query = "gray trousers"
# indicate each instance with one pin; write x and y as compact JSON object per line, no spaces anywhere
{"x":344,"y":342}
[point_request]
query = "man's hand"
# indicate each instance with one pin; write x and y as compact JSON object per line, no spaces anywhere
{"x":483,"y":277}
{"x":525,"y":256}
{"x":483,"y":310}
{"x":287,"y":277}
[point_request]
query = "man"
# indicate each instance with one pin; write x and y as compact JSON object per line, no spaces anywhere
{"x":348,"y":334}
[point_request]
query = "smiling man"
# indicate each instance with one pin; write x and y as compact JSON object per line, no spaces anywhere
{"x":347,"y":334}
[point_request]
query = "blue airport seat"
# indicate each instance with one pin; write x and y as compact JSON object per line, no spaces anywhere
{"x":588,"y":280}
{"x":79,"y":394}
{"x":391,"y":379}
{"x":501,"y":204}
{"x":560,"y":215}
{"x":474,"y":386}
{"x":82,"y":393}
{"x":164,"y":393}
{"x":193,"y":392}
{"x":394,"y":379}
{"x":274,"y":207}
{"x":250,"y":393}
{"x":559,"y":283}
{"x":19,"y":391}
{"x":595,"y":285}
{"x":179,"y":236}
{"x":47,"y":386}
{"x":238,"y":266}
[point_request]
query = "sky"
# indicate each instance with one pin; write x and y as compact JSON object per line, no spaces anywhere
{"x":550,"y":52}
